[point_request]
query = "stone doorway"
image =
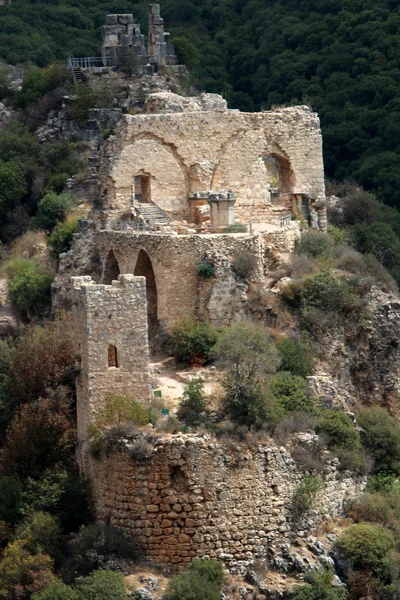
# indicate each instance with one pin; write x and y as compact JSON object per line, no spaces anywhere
{"x":144,"y":268}
{"x":111,"y":269}
{"x":142,"y":188}
{"x":281,"y":179}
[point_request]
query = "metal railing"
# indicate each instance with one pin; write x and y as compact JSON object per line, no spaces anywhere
{"x":87,"y":62}
{"x":135,"y":227}
{"x":285,"y":220}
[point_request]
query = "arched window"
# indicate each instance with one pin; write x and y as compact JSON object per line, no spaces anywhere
{"x":112,"y":356}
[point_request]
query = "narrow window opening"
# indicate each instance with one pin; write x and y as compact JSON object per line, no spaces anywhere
{"x":112,"y":356}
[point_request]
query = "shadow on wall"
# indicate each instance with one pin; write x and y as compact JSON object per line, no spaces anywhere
{"x":144,"y":268}
{"x":111,"y":269}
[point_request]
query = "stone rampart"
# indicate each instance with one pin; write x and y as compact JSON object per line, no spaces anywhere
{"x":198,"y":497}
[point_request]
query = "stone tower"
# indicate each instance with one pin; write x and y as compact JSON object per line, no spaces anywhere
{"x":160,"y":48}
{"x":111,"y":343}
{"x":123,"y":41}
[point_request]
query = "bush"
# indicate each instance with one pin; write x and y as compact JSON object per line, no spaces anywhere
{"x":57,"y":591}
{"x":244,"y":264}
{"x":383,"y":482}
{"x":82,"y":100}
{"x":377,"y":507}
{"x":248,"y":403}
{"x":41,"y":534}
{"x":11,"y":497}
{"x":302,"y":265}
{"x":380,"y":435}
{"x":247,"y":351}
{"x":366,"y":547}
{"x":30,"y":292}
{"x":202,"y":581}
{"x":205,"y":269}
{"x":192,"y":403}
{"x":339,"y":430}
{"x":99,"y":547}
{"x":315,"y":244}
{"x":103,"y":584}
{"x":116,"y":411}
{"x":39,"y":436}
{"x":304,"y":495}
{"x":353,"y":459}
{"x":290,"y":391}
{"x":22,"y":573}
{"x":62,"y":236}
{"x":320,"y":587}
{"x":235,"y":228}
{"x":41,"y":360}
{"x":51,"y":209}
{"x":295,"y":357}
{"x":191,"y":341}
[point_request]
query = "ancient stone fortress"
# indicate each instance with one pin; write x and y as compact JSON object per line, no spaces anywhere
{"x":171,"y":184}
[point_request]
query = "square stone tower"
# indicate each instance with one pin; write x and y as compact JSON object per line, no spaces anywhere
{"x":111,"y":343}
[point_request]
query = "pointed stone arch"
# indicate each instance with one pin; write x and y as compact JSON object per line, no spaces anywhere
{"x":111,"y":269}
{"x":144,"y":268}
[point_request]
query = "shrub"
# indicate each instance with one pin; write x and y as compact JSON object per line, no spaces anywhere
{"x":315,"y":244}
{"x":199,"y":582}
{"x":116,"y":411}
{"x":99,"y":547}
{"x":376,"y":507}
{"x":192,"y":403}
{"x":302,"y":265}
{"x":191,"y":341}
{"x":103,"y":584}
{"x":16,"y":266}
{"x":41,"y":533}
{"x":29,"y":244}
{"x":82,"y":100}
{"x":366,"y":547}
{"x":62,"y":236}
{"x":304,"y":495}
{"x":350,"y":260}
{"x":353,"y":459}
{"x":30,"y":292}
{"x":52,"y":208}
{"x":41,"y":360}
{"x":380,"y":435}
{"x":339,"y":236}
{"x":309,"y":458}
{"x":295,"y":357}
{"x":380,"y":274}
{"x":339,"y":430}
{"x":383,"y":482}
{"x":205,"y":269}
{"x":39,"y":436}
{"x":248,"y":403}
{"x":290,"y":391}
{"x":22,"y":573}
{"x":57,"y":591}
{"x":320,"y":587}
{"x":247,"y":351}
{"x":244,"y":264}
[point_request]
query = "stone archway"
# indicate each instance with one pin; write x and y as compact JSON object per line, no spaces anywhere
{"x":111,"y":269}
{"x":144,"y":268}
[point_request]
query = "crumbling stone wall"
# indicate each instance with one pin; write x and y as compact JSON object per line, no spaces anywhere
{"x":198,"y":497}
{"x":104,"y":316}
{"x":216,"y":149}
{"x":174,"y":260}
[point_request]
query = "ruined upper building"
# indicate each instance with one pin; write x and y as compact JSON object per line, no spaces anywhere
{"x":123,"y":40}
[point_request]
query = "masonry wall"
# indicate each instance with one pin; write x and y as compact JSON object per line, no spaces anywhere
{"x":180,"y":291}
{"x":109,"y":315}
{"x":198,"y":497}
{"x":194,"y":151}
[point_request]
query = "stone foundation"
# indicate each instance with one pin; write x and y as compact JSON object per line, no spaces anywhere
{"x":197,"y":497}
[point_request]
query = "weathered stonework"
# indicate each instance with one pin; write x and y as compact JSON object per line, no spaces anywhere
{"x":217,"y":149}
{"x":109,"y":316}
{"x":197,"y":497}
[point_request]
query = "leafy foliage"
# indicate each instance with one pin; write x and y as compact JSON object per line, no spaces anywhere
{"x":320,"y":587}
{"x":193,"y":402}
{"x":366,"y":546}
{"x":99,"y":547}
{"x":61,"y":238}
{"x":244,"y":263}
{"x":315,"y":244}
{"x":205,"y":269}
{"x":30,"y":291}
{"x":304,"y":495}
{"x":291,"y":394}
{"x":295,"y":357}
{"x":191,"y":341}
{"x":381,"y":437}
{"x":201,"y":581}
{"x":51,"y":209}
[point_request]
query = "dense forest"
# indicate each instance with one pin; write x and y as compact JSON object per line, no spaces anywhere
{"x":341,"y":57}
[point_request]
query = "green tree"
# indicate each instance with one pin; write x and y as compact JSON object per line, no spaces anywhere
{"x":295,"y":357}
{"x":62,"y":236}
{"x":52,"y":209}
{"x":57,"y":591}
{"x":12,"y":186}
{"x":320,"y":587}
{"x":30,"y":292}
{"x":106,"y":585}
{"x":201,"y":581}
{"x":193,"y":402}
{"x":290,"y":391}
{"x":380,"y":435}
{"x":366,"y":547}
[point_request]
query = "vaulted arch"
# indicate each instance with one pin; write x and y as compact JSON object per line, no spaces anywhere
{"x":144,"y":268}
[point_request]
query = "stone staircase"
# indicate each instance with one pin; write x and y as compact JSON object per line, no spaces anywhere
{"x":153,"y":214}
{"x":79,"y":76}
